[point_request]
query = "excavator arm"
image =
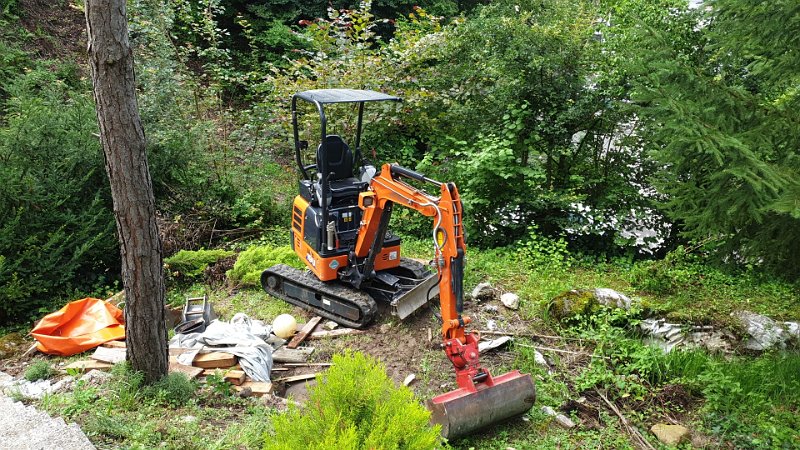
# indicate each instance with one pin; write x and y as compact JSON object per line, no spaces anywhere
{"x":388,"y":189}
{"x":480,"y":399}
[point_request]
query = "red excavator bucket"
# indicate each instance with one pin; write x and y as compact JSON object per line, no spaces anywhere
{"x":492,"y":401}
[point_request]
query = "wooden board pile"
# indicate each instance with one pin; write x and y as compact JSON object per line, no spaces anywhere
{"x":208,"y":363}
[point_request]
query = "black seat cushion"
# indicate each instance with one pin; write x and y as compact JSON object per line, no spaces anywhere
{"x":348,"y":186}
{"x":338,"y":158}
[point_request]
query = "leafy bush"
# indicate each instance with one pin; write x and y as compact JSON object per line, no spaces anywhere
{"x":355,"y":406}
{"x":40,"y":370}
{"x":253,"y":261}
{"x":192,"y":263}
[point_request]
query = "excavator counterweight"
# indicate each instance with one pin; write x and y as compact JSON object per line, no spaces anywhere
{"x":339,"y":229}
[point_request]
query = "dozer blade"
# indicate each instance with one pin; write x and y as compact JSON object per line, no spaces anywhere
{"x":461,"y":412}
{"x":406,"y":303}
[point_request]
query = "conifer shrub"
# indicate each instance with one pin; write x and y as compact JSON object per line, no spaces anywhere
{"x":253,"y":261}
{"x":192,"y":263}
{"x":355,"y":405}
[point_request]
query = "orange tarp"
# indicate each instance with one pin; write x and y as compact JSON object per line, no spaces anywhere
{"x":79,"y":326}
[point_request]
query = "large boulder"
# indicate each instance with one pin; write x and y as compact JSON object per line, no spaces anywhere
{"x":586,"y":301}
{"x":764,"y":333}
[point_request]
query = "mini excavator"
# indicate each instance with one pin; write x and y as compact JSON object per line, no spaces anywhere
{"x":339,"y":228}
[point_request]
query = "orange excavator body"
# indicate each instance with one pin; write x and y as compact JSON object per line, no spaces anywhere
{"x":340,"y":230}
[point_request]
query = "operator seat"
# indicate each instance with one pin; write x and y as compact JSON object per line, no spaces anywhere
{"x":339,"y":161}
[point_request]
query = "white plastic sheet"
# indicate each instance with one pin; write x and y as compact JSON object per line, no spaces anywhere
{"x":241,"y":339}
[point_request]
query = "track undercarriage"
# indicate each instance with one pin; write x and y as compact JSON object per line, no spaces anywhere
{"x":406,"y":288}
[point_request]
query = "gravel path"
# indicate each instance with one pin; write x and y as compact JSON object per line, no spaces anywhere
{"x":26,"y":428}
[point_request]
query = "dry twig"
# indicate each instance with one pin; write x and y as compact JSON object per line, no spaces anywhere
{"x":638,"y":440}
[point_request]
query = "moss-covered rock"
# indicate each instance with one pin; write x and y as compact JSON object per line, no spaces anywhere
{"x":192,"y":263}
{"x":572,"y":303}
{"x":11,"y":344}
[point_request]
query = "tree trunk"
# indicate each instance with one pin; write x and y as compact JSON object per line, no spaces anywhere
{"x":122,"y":136}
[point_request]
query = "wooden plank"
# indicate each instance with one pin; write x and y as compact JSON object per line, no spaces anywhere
{"x":175,"y":351}
{"x":304,"y":332}
{"x":89,"y":364}
{"x":236,"y":377}
{"x":292,"y":355}
{"x":114,"y":344}
{"x":109,"y":355}
{"x":307,"y":365}
{"x":334,"y":333}
{"x":258,"y":388}
{"x":214,"y":360}
{"x":190,"y":372}
{"x":293,"y":378}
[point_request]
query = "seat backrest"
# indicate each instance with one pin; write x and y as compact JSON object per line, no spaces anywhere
{"x":338,"y":158}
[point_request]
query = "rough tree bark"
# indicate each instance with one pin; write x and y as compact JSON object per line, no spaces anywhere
{"x":122,"y":136}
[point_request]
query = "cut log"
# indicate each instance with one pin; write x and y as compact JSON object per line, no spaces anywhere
{"x":214,"y":360}
{"x":304,"y":332}
{"x":89,"y":364}
{"x":290,"y":355}
{"x":236,"y":377}
{"x":190,"y":372}
{"x":110,"y":355}
{"x":334,"y":333}
{"x":257,"y":388}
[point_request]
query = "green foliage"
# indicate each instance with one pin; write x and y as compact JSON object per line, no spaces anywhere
{"x":40,"y":370}
{"x":192,"y":264}
{"x":665,"y":276}
{"x":218,"y":383}
{"x":252,"y":262}
{"x":717,"y":104}
{"x":56,"y":227}
{"x":749,"y":402}
{"x":541,"y":253}
{"x":355,"y":406}
{"x":173,"y":390}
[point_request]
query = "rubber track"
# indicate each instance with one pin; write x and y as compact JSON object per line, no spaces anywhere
{"x":332,"y":290}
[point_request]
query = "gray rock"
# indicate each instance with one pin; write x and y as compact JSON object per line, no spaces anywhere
{"x":659,"y":333}
{"x":538,"y":358}
{"x":95,"y":377}
{"x":491,"y":325}
{"x":764,"y":332}
{"x":610,"y":297}
{"x":510,"y":300}
{"x":483,"y":292}
{"x":490,"y":308}
{"x":330,"y":325}
{"x":562,"y":420}
{"x":670,"y":434}
{"x":485,"y":346}
{"x":793,"y":328}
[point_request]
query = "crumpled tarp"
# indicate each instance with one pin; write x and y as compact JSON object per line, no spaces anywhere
{"x":79,"y":326}
{"x":240,"y":337}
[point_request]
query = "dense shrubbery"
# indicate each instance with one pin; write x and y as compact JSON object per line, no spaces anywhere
{"x":355,"y":405}
{"x":252,"y":262}
{"x":56,"y":227}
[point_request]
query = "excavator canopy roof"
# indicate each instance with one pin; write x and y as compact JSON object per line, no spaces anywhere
{"x":324,"y":96}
